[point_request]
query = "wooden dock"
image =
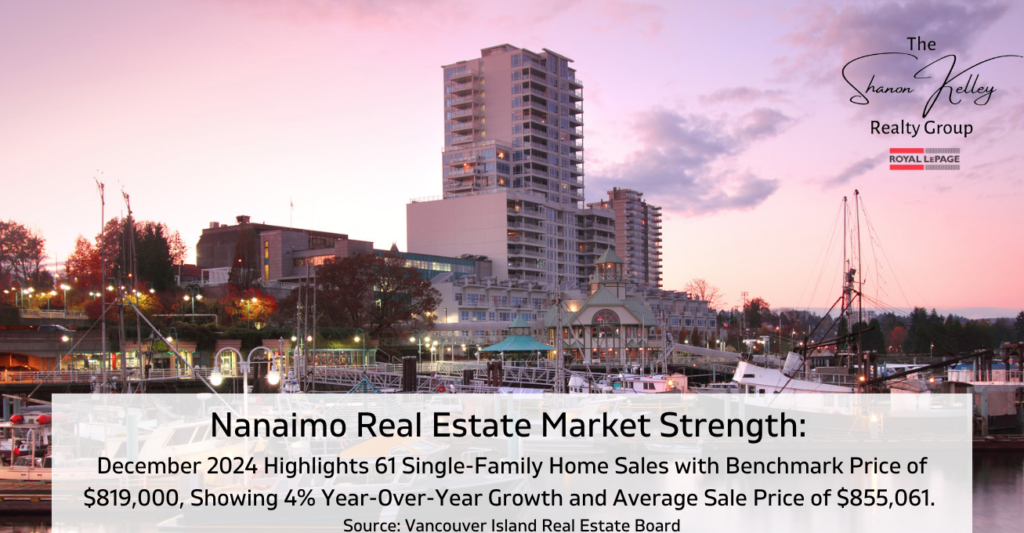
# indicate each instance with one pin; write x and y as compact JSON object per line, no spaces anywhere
{"x":25,"y":497}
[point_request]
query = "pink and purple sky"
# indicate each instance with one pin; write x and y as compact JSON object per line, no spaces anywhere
{"x":733,"y":116}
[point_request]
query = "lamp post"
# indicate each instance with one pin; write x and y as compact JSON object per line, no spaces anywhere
{"x":247,"y":301}
{"x":64,"y":287}
{"x":361,"y":336}
{"x":273,"y":376}
{"x":419,"y":338}
{"x":172,"y":336}
{"x":192,"y":296}
{"x":69,"y":339}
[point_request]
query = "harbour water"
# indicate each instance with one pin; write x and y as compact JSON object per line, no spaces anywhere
{"x":998,"y":502}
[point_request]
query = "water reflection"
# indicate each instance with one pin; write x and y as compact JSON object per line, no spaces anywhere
{"x":998,"y":491}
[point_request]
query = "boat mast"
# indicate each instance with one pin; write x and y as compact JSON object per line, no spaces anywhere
{"x":103,"y":281}
{"x":860,"y":283}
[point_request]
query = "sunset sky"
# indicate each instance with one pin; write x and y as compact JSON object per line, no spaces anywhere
{"x":732,"y":116}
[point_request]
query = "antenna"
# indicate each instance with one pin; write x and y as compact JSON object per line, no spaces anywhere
{"x":103,"y":278}
{"x":291,"y":213}
{"x":133,"y":268}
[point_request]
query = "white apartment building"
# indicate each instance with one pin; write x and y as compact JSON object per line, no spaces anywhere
{"x":512,"y":171}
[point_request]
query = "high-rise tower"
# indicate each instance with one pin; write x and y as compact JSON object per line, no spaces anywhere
{"x":637,"y":235}
{"x":514,"y":127}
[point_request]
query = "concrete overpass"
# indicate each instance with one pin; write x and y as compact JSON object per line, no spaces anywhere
{"x":29,"y":347}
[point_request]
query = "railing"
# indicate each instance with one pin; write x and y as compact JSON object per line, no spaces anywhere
{"x":463,"y":112}
{"x":467,"y":125}
{"x":39,"y":313}
{"x":467,"y":99}
{"x":89,"y":376}
{"x":464,"y":138}
{"x":984,"y":376}
{"x":455,"y":87}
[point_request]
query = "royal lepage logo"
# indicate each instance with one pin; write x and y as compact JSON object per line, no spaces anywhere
{"x":924,"y":159}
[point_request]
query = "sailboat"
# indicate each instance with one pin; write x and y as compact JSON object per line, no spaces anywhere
{"x":795,"y":375}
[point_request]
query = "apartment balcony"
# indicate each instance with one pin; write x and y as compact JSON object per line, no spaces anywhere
{"x":526,"y":211}
{"x":537,"y":91}
{"x":458,"y":186}
{"x":575,"y":121}
{"x":526,"y":226}
{"x":578,"y":158}
{"x":464,"y":172}
{"x":540,"y":106}
{"x":464,"y":86}
{"x":526,"y":240}
{"x":460,"y":139}
{"x":525,"y":251}
{"x":468,"y":74}
{"x":575,"y":83}
{"x":462,"y":101}
{"x":468,"y":125}
{"x":475,"y":112}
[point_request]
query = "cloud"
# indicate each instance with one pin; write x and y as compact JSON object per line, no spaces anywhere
{"x":859,"y":168}
{"x":685,"y":161}
{"x":829,"y":32}
{"x":730,"y":95}
{"x":828,"y":37}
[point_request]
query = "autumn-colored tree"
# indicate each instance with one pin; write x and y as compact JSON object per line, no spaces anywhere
{"x":897,"y":337}
{"x":153,"y":247}
{"x":700,"y":289}
{"x":179,"y":250}
{"x":21,"y":254}
{"x":755,"y":311}
{"x":82,"y":267}
{"x":250,"y":306}
{"x":378,"y":293}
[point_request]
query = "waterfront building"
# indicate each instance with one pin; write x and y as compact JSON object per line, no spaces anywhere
{"x":637,"y":235}
{"x":290,"y":255}
{"x":619,"y":322}
{"x":512,"y":171}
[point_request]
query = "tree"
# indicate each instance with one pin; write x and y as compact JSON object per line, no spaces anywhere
{"x":21,"y":254}
{"x":252,"y":307}
{"x":754,"y":312}
{"x":378,"y":293}
{"x":82,"y":267}
{"x":179,"y":250}
{"x":1018,"y":327}
{"x":245,"y":268}
{"x":704,"y":291}
{"x":153,"y":255}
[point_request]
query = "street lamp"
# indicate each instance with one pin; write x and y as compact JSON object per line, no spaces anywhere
{"x":247,"y":301}
{"x":192,"y":296}
{"x":419,"y":338}
{"x":69,"y":340}
{"x":273,"y":376}
{"x":64,"y":287}
{"x":361,"y":337}
{"x":172,"y":336}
